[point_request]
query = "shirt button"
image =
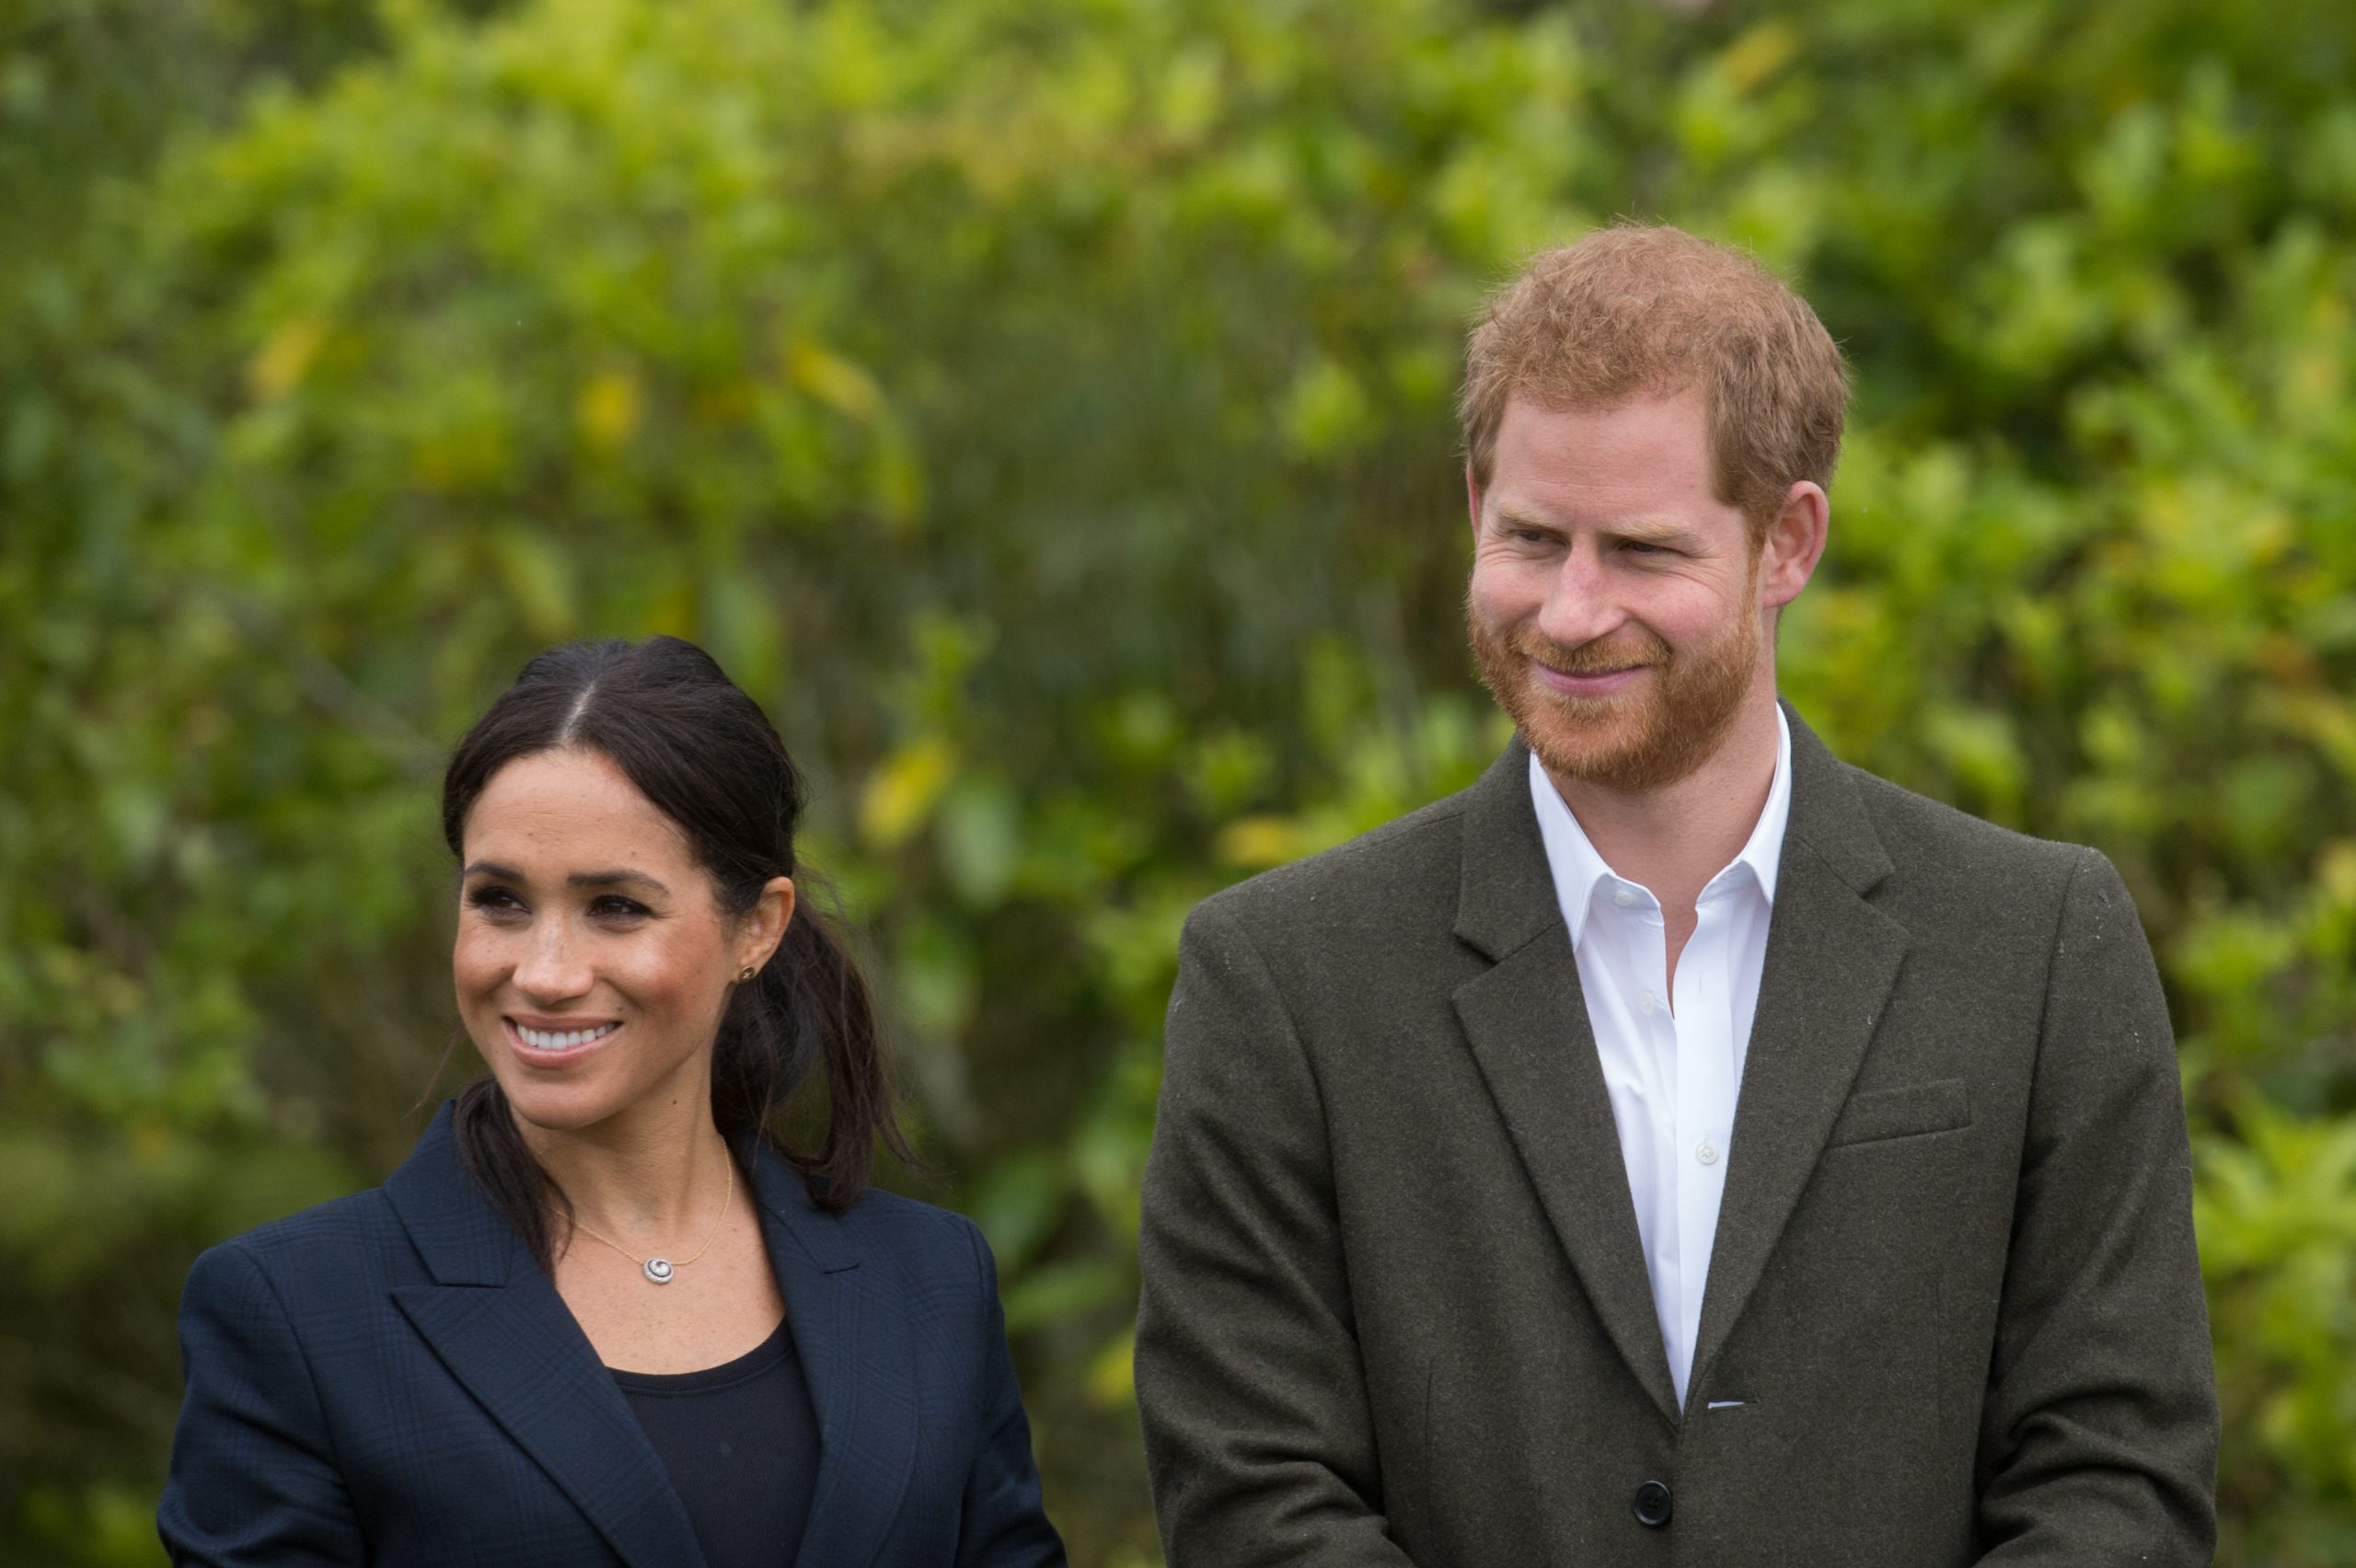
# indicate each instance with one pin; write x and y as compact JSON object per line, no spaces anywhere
{"x":1707,"y":1153}
{"x":1645,"y":1004}
{"x":1623,"y":896}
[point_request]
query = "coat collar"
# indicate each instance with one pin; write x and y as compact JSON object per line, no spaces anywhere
{"x":1578,"y":868}
{"x":1830,"y":961}
{"x":495,"y":1320}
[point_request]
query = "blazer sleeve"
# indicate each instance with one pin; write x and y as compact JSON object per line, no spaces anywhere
{"x":1259,"y":1437}
{"x":1003,"y":1524}
{"x":254,"y":1480}
{"x":2099,"y":1438}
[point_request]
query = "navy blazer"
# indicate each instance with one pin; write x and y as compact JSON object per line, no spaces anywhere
{"x":391,"y":1379}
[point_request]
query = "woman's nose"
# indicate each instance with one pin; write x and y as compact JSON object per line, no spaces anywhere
{"x":552,"y":966}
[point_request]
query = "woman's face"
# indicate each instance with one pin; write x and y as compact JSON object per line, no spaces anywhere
{"x":592,"y":960}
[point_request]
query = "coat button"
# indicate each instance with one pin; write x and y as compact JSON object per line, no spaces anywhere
{"x":1653,"y":1505}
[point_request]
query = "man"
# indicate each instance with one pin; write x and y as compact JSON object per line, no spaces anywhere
{"x":1679,"y":1147}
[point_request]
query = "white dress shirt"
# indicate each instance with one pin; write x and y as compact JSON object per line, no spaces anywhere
{"x":1672,"y":1074}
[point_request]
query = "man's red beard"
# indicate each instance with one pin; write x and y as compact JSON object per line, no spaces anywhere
{"x":1640,"y":739}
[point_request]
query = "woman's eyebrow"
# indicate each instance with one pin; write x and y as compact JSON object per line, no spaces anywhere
{"x":615,"y":878}
{"x":578,"y":879}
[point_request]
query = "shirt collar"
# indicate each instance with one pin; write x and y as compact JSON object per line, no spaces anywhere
{"x":1579,"y":871}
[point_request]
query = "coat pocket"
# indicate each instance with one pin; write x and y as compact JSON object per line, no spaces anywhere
{"x":1881,"y":1115}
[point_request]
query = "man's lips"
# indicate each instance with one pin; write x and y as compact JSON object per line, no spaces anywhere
{"x":1594,"y":683}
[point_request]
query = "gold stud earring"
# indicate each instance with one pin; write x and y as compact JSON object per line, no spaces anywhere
{"x":744,"y":975}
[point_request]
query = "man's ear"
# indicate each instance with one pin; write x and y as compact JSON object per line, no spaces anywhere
{"x":1473,"y":498}
{"x":1793,"y":544}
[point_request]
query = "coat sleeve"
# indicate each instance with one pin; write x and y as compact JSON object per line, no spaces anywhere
{"x":253,"y":1479}
{"x":1003,"y":1522}
{"x":1259,"y":1437}
{"x":2099,"y":1438}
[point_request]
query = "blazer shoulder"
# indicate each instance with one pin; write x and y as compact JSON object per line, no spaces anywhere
{"x":929,"y":1244}
{"x":324,"y":1251}
{"x":1934,"y":844}
{"x":1420,"y":851}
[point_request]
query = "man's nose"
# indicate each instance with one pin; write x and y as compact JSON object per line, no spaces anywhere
{"x":1580,"y":605}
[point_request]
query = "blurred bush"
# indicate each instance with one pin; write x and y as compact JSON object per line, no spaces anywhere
{"x":1042,"y":407}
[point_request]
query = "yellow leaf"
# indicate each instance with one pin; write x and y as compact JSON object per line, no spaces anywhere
{"x":1759,"y":55}
{"x":903,"y":791}
{"x":1260,"y":842}
{"x":840,"y":384}
{"x":2336,"y":871}
{"x":288,"y":353}
{"x":607,"y":408}
{"x":1112,"y":1377}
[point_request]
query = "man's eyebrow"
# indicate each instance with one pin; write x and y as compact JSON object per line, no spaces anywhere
{"x":1513,"y":517}
{"x":1647,"y":529}
{"x":1653,"y":530}
{"x":578,"y":879}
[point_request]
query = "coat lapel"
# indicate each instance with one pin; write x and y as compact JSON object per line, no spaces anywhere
{"x":1526,"y":1021}
{"x":494,"y":1319}
{"x":1832,"y":961}
{"x":851,"y":1327}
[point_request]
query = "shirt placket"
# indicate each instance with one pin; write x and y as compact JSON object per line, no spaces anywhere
{"x":1656,"y":1030}
{"x":1704,"y":1097}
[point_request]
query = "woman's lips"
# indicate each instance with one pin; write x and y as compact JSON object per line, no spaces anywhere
{"x":559,"y":1056}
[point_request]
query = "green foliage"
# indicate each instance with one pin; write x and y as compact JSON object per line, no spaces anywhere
{"x":1042,"y":407}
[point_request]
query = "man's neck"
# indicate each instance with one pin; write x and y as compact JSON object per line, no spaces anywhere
{"x":1675,"y":838}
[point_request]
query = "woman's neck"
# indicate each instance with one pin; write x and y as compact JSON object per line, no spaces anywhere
{"x":643,"y":1177}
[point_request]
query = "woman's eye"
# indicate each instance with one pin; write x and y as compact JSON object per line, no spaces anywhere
{"x":614,"y":906}
{"x":495,"y":901}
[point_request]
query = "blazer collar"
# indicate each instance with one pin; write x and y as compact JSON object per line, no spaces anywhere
{"x":1505,"y":896}
{"x":1833,"y":961}
{"x":1830,"y":961}
{"x":1578,"y":868}
{"x":848,"y":1310}
{"x":494,"y":1319}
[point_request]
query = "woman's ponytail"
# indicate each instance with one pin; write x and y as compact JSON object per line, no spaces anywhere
{"x":809,"y":1009}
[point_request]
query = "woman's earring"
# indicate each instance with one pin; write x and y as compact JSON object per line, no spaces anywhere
{"x":744,"y":975}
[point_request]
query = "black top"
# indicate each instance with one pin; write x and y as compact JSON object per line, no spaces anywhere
{"x":741,"y":1445}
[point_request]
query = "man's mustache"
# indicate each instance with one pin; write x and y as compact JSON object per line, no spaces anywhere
{"x":1590,"y":658}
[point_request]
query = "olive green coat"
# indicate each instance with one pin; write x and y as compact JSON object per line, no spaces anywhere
{"x":1394,"y":1306}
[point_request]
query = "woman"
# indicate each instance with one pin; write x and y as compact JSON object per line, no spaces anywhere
{"x":600,"y":1314}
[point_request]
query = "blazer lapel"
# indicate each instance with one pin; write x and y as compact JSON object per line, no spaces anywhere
{"x":850,"y":1328}
{"x":495,"y":1320}
{"x":1528,"y":1024}
{"x":1832,"y":961}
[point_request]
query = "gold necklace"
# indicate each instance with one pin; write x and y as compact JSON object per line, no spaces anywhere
{"x":658,"y":1270}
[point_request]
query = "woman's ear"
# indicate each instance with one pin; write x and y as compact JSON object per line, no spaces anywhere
{"x":764,"y":924}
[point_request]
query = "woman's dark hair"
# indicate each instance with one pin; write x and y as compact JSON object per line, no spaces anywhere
{"x":706,"y":756}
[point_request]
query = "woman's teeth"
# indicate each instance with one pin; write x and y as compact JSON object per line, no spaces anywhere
{"x":547,"y":1039}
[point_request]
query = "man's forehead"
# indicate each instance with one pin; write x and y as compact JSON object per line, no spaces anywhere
{"x":1652,"y":445}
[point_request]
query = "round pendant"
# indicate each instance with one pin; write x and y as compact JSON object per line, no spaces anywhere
{"x":658,"y":1270}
